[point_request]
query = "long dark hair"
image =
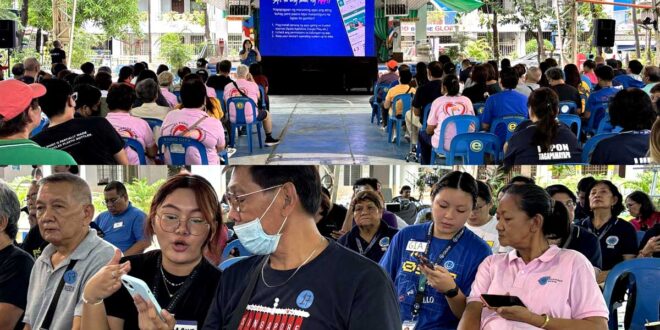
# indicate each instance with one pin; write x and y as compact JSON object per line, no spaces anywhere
{"x":421,"y":76}
{"x":646,"y":208}
{"x":462,"y":181}
{"x":544,"y":103}
{"x":535,"y":200}
{"x":572,"y":75}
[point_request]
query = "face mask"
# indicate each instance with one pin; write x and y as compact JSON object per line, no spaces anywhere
{"x":254,"y":238}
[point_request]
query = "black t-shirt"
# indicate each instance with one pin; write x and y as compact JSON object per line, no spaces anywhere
{"x":617,"y":237}
{"x":564,"y":148}
{"x":426,"y":95}
{"x":33,"y":243}
{"x":191,"y":305}
{"x":583,"y":241}
{"x":15,"y":268}
{"x":222,"y":81}
{"x":373,"y":250}
{"x":465,"y":74}
{"x":568,"y":93}
{"x":336,"y":290}
{"x":480,"y":92}
{"x":90,"y":141}
{"x":654,"y":231}
{"x":333,"y":221}
{"x":57,"y":55}
{"x":627,"y":148}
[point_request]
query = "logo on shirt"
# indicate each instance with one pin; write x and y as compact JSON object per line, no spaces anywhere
{"x":193,"y":133}
{"x":305,"y":299}
{"x":612,"y":241}
{"x":453,"y":109}
{"x":476,"y":146}
{"x":261,"y":317}
{"x":555,"y":151}
{"x":384,"y":243}
{"x":547,"y":279}
{"x":449,"y":265}
{"x":70,"y":276}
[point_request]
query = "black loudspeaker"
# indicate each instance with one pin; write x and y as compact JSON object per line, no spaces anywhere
{"x":604,"y":30}
{"x":8,"y":34}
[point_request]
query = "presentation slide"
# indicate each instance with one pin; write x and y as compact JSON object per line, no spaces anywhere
{"x":316,"y":28}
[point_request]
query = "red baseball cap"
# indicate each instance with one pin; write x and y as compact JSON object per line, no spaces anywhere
{"x":16,"y":96}
{"x":392,"y":64}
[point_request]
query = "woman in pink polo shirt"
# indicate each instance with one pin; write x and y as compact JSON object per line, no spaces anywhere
{"x":557,"y":286}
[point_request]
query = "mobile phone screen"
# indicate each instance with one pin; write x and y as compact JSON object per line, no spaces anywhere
{"x":493,"y":300}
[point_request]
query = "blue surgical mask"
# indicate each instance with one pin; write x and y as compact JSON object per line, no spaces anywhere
{"x":254,"y":238}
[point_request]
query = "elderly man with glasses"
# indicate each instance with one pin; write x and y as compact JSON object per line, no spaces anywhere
{"x":122,"y":223}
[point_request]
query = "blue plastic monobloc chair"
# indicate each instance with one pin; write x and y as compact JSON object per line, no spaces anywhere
{"x":220,"y":95}
{"x":235,"y":244}
{"x":605,"y":126}
{"x":240,"y":103}
{"x":472,"y":147}
{"x":479,"y":109}
{"x":262,"y":97}
{"x":640,"y":237}
{"x":571,"y":120}
{"x":567,"y":107}
{"x":42,"y":124}
{"x":229,"y":262}
{"x":645,"y":272}
{"x":462,"y":124}
{"x":427,"y":110}
{"x":178,"y":95}
{"x":139,"y":149}
{"x":153,"y":122}
{"x":590,"y":145}
{"x":379,"y":89}
{"x":178,"y":146}
{"x":406,"y":101}
{"x":510,"y":122}
{"x":596,"y":115}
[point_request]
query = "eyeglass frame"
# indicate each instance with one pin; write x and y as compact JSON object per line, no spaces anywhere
{"x":235,"y":197}
{"x":187,"y":221}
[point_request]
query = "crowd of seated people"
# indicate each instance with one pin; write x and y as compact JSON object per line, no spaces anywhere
{"x":87,"y":115}
{"x":616,"y":108}
{"x":431,"y":275}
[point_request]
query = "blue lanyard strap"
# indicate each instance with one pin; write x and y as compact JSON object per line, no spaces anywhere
{"x":371,"y":244}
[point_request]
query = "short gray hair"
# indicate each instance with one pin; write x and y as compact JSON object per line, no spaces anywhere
{"x":554,"y":74}
{"x":80,"y":187}
{"x":147,"y":90}
{"x":242,"y":71}
{"x":31,"y":64}
{"x":10,"y":208}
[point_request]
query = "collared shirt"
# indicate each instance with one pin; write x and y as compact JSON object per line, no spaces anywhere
{"x":28,"y":152}
{"x":123,"y":230}
{"x":617,"y":237}
{"x":373,"y":250}
{"x":92,"y":254}
{"x":488,"y":233}
{"x":565,"y":277}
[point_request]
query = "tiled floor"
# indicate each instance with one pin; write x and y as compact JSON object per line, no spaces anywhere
{"x":323,"y":130}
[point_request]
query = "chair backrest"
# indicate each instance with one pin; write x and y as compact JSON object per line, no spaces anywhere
{"x":640,"y":237}
{"x":239,"y":103}
{"x":262,"y":96}
{"x":571,"y":120}
{"x":605,"y":126}
{"x":235,"y":244}
{"x":427,"y":110}
{"x":590,"y":145}
{"x":567,"y":107}
{"x":597,"y":113}
{"x":394,"y":83}
{"x":380,"y":91}
{"x":153,"y":122}
{"x":178,"y":95}
{"x":406,"y":100}
{"x":220,"y":95}
{"x":42,"y":123}
{"x":645,"y":272}
{"x":139,"y":149}
{"x":229,"y":262}
{"x":473,"y":147}
{"x":462,"y":124}
{"x":177,"y":146}
{"x":510,"y":122}
{"x":479,"y":109}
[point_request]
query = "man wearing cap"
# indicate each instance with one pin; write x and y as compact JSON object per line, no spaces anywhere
{"x":386,"y":79}
{"x":19,"y":115}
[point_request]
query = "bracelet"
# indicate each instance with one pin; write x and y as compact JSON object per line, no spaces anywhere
{"x":82,"y":297}
{"x":545,"y":323}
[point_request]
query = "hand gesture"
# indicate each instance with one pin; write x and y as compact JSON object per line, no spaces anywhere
{"x":336,"y":234}
{"x":651,"y":247}
{"x":106,"y":281}
{"x":515,"y":313}
{"x":148,"y":318}
{"x":438,"y":277}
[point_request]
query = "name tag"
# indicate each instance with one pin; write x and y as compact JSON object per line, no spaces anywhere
{"x":185,"y":325}
{"x":409,"y":325}
{"x":415,"y":246}
{"x":118,"y":225}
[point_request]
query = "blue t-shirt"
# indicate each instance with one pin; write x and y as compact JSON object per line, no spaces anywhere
{"x":463,"y":260}
{"x":587,"y":81}
{"x":124,"y":229}
{"x":505,"y":103}
{"x":251,"y":57}
{"x":603,"y":95}
{"x":626,"y":148}
{"x":627,"y":81}
{"x":563,"y":149}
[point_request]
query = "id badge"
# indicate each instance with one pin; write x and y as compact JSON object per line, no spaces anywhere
{"x":185,"y":325}
{"x":408,"y":325}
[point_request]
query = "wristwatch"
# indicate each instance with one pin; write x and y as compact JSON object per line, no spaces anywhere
{"x":452,"y":293}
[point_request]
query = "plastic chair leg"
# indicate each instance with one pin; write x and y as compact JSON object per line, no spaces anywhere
{"x":389,"y":131}
{"x":259,"y":128}
{"x":432,"y":157}
{"x":232,"y":129}
{"x":398,"y":133}
{"x":249,"y":136}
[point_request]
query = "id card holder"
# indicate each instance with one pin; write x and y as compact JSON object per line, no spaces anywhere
{"x":185,"y":325}
{"x":408,"y":325}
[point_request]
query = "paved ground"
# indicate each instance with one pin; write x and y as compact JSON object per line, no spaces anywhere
{"x":323,"y":130}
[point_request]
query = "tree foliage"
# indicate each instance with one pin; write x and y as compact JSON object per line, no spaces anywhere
{"x":529,"y":15}
{"x":478,"y":50}
{"x":174,"y":51}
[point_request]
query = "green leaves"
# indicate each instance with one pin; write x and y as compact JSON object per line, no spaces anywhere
{"x":174,"y":51}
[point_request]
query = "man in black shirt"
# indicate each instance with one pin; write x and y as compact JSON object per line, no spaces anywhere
{"x":57,"y":55}
{"x":565,"y":92}
{"x":223,"y":68}
{"x":298,"y":279}
{"x":91,"y":141}
{"x":15,"y":264}
{"x":333,"y":217}
{"x":424,"y":96}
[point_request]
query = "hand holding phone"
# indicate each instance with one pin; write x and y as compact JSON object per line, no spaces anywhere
{"x":495,"y":300}
{"x":423,"y":260}
{"x":136,"y":286}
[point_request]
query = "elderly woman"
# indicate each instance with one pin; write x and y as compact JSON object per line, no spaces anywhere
{"x":147,"y":92}
{"x":527,"y":218}
{"x":641,"y":207}
{"x":184,"y":217}
{"x":371,"y":236}
{"x":433,"y":264}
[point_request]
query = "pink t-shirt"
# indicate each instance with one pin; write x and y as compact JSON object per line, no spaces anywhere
{"x":250,"y":89}
{"x":210,"y":92}
{"x":444,"y":107}
{"x":560,"y":283}
{"x":169,"y":96}
{"x":132,"y":127}
{"x":209,"y":132}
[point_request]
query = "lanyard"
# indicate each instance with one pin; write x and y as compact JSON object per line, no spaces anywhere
{"x":421,"y":286}
{"x":371,"y":244}
{"x":606,"y":229}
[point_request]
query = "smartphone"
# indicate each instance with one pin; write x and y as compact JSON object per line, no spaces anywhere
{"x":136,"y":286}
{"x":495,"y":300}
{"x":425,"y":261}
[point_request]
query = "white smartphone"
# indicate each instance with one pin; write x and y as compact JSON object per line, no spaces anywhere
{"x":136,"y":286}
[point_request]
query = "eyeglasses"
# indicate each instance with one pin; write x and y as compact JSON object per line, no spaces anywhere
{"x":30,"y":197}
{"x":111,"y":201}
{"x":170,"y":222}
{"x":359,"y":209}
{"x":569,"y":203}
{"x":235,"y":201}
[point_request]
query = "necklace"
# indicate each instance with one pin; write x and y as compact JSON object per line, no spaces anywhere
{"x":166,"y":282}
{"x":263,"y":277}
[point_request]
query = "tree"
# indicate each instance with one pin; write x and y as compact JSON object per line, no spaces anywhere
{"x":174,"y":51}
{"x":493,"y":7}
{"x":529,"y":14}
{"x":478,"y":50}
